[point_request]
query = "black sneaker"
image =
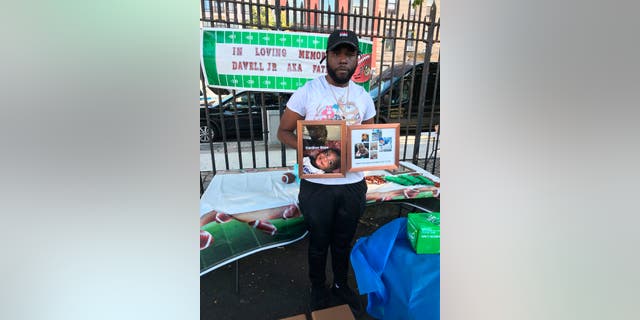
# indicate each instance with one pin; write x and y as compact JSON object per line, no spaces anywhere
{"x":319,"y":298}
{"x":346,"y":295}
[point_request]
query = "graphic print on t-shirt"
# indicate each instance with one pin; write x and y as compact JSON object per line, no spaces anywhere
{"x":348,"y":112}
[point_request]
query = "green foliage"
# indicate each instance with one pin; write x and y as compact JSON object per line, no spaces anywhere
{"x":416,"y":3}
{"x":263,"y":17}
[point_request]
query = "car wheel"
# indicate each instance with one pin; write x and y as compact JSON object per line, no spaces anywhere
{"x":204,"y":133}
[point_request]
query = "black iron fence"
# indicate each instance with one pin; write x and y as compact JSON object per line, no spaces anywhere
{"x":405,"y":73}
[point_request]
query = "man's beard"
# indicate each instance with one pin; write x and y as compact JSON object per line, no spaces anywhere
{"x":340,"y":80}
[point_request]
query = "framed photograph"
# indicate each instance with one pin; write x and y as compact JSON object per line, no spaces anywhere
{"x":373,"y":147}
{"x":321,"y":146}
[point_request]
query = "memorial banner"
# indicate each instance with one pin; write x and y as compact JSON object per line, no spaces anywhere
{"x":263,"y":60}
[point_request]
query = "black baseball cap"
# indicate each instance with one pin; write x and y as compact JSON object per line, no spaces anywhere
{"x":339,"y":37}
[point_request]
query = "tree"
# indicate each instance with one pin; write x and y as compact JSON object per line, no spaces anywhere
{"x":261,"y":12}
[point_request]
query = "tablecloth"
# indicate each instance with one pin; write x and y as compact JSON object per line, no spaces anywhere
{"x":399,"y":283}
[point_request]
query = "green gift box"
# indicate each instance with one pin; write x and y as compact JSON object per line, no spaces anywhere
{"x":423,"y":231}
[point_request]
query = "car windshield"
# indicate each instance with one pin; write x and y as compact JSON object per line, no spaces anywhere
{"x":225,"y":99}
{"x":383,"y":82}
{"x":376,"y":87}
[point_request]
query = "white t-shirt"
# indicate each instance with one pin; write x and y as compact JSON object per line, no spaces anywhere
{"x":318,"y":100}
{"x":307,"y":166}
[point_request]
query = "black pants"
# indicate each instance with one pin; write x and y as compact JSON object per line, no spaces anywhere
{"x":331,"y":213}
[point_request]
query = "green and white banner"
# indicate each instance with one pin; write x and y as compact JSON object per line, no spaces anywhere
{"x":263,"y":60}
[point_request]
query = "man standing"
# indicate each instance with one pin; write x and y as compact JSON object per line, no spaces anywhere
{"x":331,"y":206}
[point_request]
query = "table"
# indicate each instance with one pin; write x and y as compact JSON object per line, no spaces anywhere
{"x":250,"y":210}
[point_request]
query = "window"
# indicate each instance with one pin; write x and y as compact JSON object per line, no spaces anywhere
{"x":410,"y":43}
{"x":356,"y":10}
{"x":329,"y":17}
{"x":391,"y":7}
{"x":357,"y":4}
{"x":389,"y":40}
{"x":214,"y":5}
{"x":406,"y":86}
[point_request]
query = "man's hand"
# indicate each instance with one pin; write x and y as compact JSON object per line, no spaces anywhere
{"x":369,"y":121}
{"x":288,"y":124}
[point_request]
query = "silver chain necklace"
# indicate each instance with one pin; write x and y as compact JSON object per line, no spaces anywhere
{"x":344,"y":102}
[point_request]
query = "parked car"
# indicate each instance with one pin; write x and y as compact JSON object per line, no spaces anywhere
{"x":211,"y":98}
{"x":246,"y":108}
{"x":212,"y":94}
{"x":398,"y":103}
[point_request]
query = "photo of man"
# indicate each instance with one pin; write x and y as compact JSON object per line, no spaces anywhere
{"x":315,"y":136}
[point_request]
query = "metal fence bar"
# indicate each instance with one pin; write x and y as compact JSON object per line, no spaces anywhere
{"x":209,"y":124}
{"x":435,"y":146}
{"x":423,"y":87}
{"x":411,"y":88}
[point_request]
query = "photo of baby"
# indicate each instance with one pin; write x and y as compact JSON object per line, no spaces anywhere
{"x":375,"y":134}
{"x":321,"y":146}
{"x":384,"y":144}
{"x":361,"y":150}
{"x":324,"y":161}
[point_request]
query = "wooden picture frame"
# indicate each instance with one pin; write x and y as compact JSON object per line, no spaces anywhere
{"x":373,"y":147}
{"x":325,"y":137}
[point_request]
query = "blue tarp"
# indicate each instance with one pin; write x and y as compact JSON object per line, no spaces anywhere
{"x":400,"y":284}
